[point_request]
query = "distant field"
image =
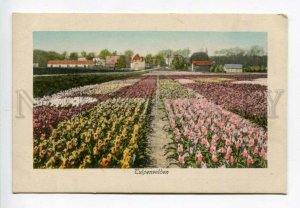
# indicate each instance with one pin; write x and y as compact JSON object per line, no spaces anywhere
{"x":42,"y":71}
{"x":48,"y":85}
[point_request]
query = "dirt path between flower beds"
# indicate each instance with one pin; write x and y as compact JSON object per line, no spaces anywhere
{"x":159,"y":138}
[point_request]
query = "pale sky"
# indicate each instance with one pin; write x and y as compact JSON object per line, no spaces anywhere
{"x":146,"y":41}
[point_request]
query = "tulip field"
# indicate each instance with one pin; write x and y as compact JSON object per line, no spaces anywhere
{"x":212,"y":122}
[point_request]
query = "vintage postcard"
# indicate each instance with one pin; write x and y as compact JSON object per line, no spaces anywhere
{"x":150,"y":103}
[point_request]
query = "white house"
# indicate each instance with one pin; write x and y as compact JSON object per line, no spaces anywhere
{"x":169,"y":60}
{"x":69,"y":64}
{"x":99,"y":61}
{"x":236,"y":68}
{"x":137,"y":62}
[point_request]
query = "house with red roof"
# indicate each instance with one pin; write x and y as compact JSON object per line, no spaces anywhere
{"x":69,"y":63}
{"x":202,"y":65}
{"x":137,"y":62}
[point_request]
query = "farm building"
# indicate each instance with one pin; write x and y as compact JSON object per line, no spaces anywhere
{"x":233,"y":68}
{"x":202,"y":65}
{"x":69,"y":64}
{"x":200,"y":61}
{"x":110,"y":61}
{"x":137,"y":62}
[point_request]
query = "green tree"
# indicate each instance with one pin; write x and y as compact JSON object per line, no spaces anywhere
{"x":90,"y":56}
{"x":40,"y":57}
{"x":166,"y":53}
{"x":83,"y":54}
{"x":64,"y":55}
{"x":183,"y":52}
{"x":220,"y":68}
{"x":256,"y":51}
{"x":231,"y":52}
{"x":238,"y":51}
{"x":114,"y":53}
{"x":149,"y":59}
{"x":121,"y":63}
{"x":128,"y":53}
{"x":179,"y":63}
{"x":159,"y":59}
{"x":52,"y":55}
{"x":217,"y":68}
{"x":104,"y":53}
{"x":74,"y":56}
{"x":199,"y":56}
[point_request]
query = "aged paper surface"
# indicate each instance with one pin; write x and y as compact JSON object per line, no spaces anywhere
{"x":272,"y":179}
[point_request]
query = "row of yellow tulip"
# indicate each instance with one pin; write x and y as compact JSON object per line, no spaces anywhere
{"x":108,"y":135}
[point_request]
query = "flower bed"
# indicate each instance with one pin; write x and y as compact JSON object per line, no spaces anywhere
{"x":107,"y":88}
{"x":213,"y":79}
{"x":46,"y":118}
{"x":170,"y":89}
{"x":48,"y":111}
{"x":185,"y":81}
{"x":144,"y":88}
{"x":66,"y":101}
{"x":74,"y":92}
{"x":110,"y":135}
{"x":260,"y":81}
{"x":48,"y":85}
{"x":243,"y":76}
{"x":247,"y":100}
{"x":205,"y":135}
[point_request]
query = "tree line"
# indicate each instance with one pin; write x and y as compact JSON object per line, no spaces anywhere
{"x":246,"y":60}
{"x":42,"y":57}
{"x":255,"y":56}
{"x":176,"y":59}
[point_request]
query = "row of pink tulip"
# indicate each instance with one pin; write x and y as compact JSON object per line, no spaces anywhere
{"x":247,"y":100}
{"x":205,"y":135}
